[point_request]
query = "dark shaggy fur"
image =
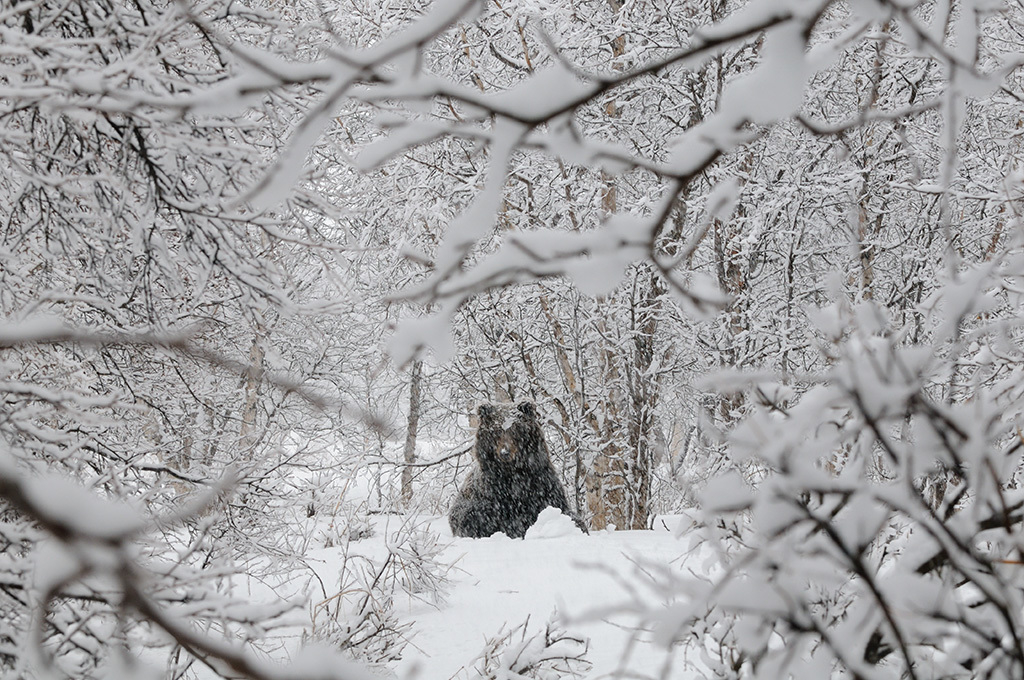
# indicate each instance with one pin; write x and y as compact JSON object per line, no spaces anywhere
{"x":513,"y":480}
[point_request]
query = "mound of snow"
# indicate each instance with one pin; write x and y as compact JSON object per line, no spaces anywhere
{"x":551,"y":523}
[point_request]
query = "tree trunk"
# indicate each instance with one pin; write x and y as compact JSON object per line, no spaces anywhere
{"x":644,"y":392}
{"x":409,"y":452}
{"x":248,"y":437}
{"x":619,"y":482}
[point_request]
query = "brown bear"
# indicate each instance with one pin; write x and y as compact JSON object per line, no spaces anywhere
{"x":513,"y":480}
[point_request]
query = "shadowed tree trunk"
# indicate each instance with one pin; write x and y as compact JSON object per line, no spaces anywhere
{"x":409,"y":452}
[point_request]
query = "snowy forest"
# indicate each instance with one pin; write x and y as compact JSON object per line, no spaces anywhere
{"x":758,"y":264}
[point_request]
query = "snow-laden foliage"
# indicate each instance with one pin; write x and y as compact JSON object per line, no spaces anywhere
{"x":872,"y":525}
{"x":162,"y":382}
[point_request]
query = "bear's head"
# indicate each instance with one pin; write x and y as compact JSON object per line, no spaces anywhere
{"x":509,"y":437}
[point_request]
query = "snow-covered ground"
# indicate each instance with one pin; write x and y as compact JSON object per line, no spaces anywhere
{"x":496,"y":584}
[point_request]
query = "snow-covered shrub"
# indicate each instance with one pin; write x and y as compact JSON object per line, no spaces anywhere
{"x":360,"y":618}
{"x":546,"y":654}
{"x":880,"y":537}
{"x":347,"y":522}
{"x":415,"y":555}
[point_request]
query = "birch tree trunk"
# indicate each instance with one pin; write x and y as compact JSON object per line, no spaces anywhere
{"x":412,"y":427}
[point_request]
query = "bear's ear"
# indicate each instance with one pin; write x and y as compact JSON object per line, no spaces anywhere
{"x":528,"y":409}
{"x":486,"y":412}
